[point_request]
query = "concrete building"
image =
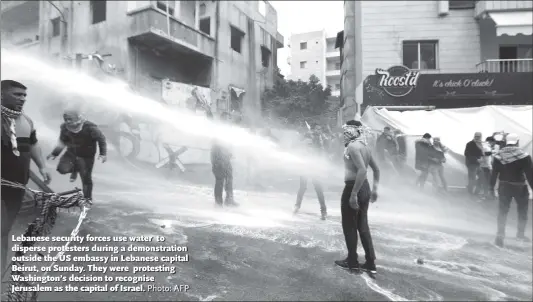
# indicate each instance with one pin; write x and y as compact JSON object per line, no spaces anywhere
{"x":432,"y":37}
{"x":229,"y":47}
{"x":313,"y":53}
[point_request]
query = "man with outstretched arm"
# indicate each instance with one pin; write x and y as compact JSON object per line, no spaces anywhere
{"x":19,"y":147}
{"x":513,"y":168}
{"x":356,"y":197}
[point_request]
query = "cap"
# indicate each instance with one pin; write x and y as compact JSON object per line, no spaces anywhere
{"x":511,"y":139}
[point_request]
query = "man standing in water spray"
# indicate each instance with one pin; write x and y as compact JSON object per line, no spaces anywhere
{"x":223,"y":170}
{"x":314,"y":139}
{"x":19,"y":147}
{"x":512,"y":167}
{"x":81,"y":138}
{"x":356,"y":197}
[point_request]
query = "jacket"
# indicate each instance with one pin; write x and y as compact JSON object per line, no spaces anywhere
{"x":423,"y":150}
{"x":513,"y":166}
{"x":472,"y":154}
{"x":84,"y":143}
{"x":386,"y":143}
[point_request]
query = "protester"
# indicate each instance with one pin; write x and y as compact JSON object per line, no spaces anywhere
{"x":486,"y":166}
{"x":19,"y":147}
{"x":356,"y":197}
{"x":436,"y":164}
{"x":386,"y":146}
{"x":81,"y":138}
{"x":423,"y":151}
{"x":513,"y":168}
{"x":312,"y":140}
{"x":222,"y":168}
{"x":473,"y":153}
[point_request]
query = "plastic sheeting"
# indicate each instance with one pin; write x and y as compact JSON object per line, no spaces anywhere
{"x":455,"y":127}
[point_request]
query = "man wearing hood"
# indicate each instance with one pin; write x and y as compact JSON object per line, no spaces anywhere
{"x":436,"y":165}
{"x":473,"y":156}
{"x":19,"y":148}
{"x":423,"y":152}
{"x":513,"y":168}
{"x":81,"y":138}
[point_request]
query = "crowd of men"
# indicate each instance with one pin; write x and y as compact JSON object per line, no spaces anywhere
{"x":498,"y":158}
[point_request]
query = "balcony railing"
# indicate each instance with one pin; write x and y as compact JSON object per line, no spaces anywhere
{"x":332,"y":54}
{"x":491,"y":6}
{"x":333,"y":72}
{"x":511,"y":65}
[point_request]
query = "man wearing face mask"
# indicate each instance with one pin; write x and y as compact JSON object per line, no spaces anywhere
{"x":513,"y":167}
{"x":81,"y":138}
{"x":19,"y":147}
{"x":357,"y":196}
{"x":473,"y":157}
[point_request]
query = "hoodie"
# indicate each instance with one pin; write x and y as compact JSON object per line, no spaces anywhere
{"x":423,"y":152}
{"x":512,"y":166}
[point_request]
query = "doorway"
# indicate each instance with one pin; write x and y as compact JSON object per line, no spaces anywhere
{"x":509,"y":54}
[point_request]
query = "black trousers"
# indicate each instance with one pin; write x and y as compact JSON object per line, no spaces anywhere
{"x":223,"y":180}
{"x":506,"y":194}
{"x":319,"y":192}
{"x":11,"y":204}
{"x":84,"y":167}
{"x":356,"y":221}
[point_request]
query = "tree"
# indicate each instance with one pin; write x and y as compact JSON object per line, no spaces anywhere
{"x":297,"y":101}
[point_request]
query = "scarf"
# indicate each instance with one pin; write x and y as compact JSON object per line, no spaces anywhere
{"x":352,"y":134}
{"x":510,"y":154}
{"x":76,"y":127}
{"x":8,"y":125}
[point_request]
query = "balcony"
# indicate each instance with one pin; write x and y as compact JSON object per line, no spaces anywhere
{"x":332,"y":54}
{"x":514,"y":65}
{"x":279,"y":40}
{"x":333,"y":73}
{"x":149,"y":26}
{"x":483,"y":7}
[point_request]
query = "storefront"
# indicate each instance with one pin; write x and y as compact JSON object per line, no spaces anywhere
{"x":400,"y":86}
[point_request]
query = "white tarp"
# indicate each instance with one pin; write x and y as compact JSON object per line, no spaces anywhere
{"x":455,"y":127}
{"x":179,"y":94}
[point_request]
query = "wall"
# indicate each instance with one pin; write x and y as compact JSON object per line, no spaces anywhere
{"x":386,"y":24}
{"x":314,"y":55}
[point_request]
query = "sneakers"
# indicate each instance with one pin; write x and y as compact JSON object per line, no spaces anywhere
{"x":230,"y":203}
{"x":499,"y":241}
{"x":369,"y":267}
{"x":345,"y":264}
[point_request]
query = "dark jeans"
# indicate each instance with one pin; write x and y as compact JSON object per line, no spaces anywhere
{"x":520,"y":194}
{"x":223,"y":180}
{"x":84,"y":167}
{"x":11,"y":205}
{"x":354,"y":221}
{"x":319,"y":193}
{"x":485,"y":180}
{"x":473,"y":172}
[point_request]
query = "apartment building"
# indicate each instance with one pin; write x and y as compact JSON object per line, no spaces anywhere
{"x":159,"y":47}
{"x":440,"y":40}
{"x":313,"y":53}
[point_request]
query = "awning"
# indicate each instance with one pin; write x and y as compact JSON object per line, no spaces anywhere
{"x":237,"y":91}
{"x":513,"y":23}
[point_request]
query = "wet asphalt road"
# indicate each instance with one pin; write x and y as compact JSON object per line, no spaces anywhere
{"x":262,"y":252}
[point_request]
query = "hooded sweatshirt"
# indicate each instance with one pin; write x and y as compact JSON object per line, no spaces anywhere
{"x":513,"y":166}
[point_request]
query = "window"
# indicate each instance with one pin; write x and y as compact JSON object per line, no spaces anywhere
{"x":303,"y":45}
{"x":302,"y":64}
{"x":203,"y":9}
{"x":98,"y":11}
{"x":236,"y":39}
{"x":262,"y":8}
{"x":162,"y":5}
{"x":265,"y":56}
{"x":459,"y":4}
{"x":56,"y":27}
{"x":205,"y":25}
{"x":420,"y":54}
{"x":337,"y":86}
{"x":337,"y":66}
